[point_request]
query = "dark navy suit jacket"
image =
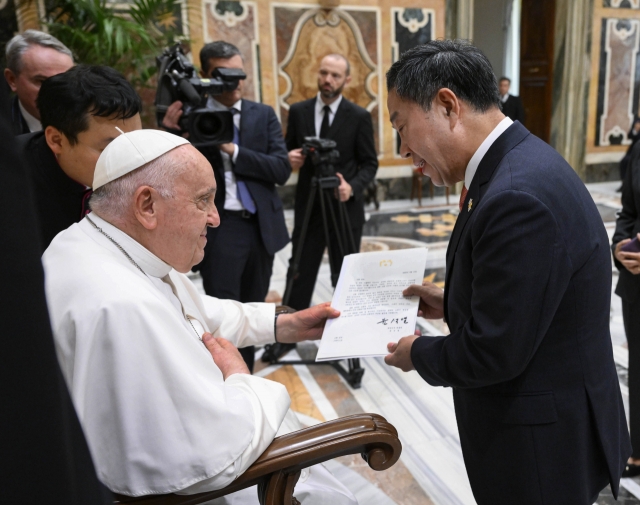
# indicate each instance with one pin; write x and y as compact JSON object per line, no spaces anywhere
{"x":262,"y":163}
{"x":529,"y":357}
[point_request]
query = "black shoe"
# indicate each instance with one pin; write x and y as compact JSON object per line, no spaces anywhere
{"x":631,"y":470}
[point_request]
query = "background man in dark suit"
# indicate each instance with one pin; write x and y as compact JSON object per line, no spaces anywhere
{"x":527,"y":291}
{"x":32,"y":57}
{"x":511,"y":105}
{"x":239,"y":254}
{"x":80,"y":111}
{"x":330,"y":116}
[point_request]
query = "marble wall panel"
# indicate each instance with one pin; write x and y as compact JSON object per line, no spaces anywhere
{"x":621,"y":4}
{"x":618,"y":83}
{"x":410,"y":27}
{"x":237,"y":23}
{"x":305,"y":35}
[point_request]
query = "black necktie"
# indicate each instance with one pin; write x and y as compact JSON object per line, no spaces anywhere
{"x":324,"y":128}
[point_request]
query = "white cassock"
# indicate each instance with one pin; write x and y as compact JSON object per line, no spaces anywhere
{"x":156,"y":411}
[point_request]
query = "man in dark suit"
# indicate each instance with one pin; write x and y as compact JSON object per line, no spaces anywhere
{"x":331,"y":116}
{"x":527,"y":291}
{"x":511,"y":105}
{"x":41,"y":435}
{"x":32,"y":57}
{"x":239,"y":254}
{"x":81,"y":110}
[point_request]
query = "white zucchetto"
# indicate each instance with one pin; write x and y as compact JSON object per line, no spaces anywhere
{"x":132,"y":150}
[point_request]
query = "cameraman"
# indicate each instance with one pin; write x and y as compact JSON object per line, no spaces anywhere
{"x":329,"y":116}
{"x":239,"y":253}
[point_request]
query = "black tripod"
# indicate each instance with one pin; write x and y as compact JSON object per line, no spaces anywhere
{"x":322,"y":189}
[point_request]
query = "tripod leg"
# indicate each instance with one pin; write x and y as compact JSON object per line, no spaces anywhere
{"x":295,"y":264}
{"x":333,"y":264}
{"x":346,"y":227}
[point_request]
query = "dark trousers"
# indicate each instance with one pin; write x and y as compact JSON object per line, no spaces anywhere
{"x":236,"y":265}
{"x":631,"y":318}
{"x":312,"y":252}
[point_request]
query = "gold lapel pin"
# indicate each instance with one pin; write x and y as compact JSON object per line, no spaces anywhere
{"x":470,"y":205}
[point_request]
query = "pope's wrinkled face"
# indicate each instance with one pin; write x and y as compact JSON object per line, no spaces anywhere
{"x":183,"y":219}
{"x":425,"y":137}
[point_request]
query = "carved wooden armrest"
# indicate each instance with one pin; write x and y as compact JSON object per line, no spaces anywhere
{"x":277,"y":470}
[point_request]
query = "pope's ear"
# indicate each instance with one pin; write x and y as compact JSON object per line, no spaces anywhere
{"x":145,"y":202}
{"x":55,"y":139}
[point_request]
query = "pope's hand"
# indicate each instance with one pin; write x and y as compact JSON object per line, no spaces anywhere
{"x":306,"y":324}
{"x":400,"y":356}
{"x":431,"y":299}
{"x":225,"y":355}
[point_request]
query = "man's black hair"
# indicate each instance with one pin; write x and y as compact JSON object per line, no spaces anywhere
{"x":218,"y":49}
{"x":504,"y":78}
{"x":455,"y":64}
{"x":66,"y":100}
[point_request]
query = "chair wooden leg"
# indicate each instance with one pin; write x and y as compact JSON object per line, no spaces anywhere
{"x":278,"y":489}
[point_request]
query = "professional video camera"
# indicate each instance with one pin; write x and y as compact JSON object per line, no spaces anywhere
{"x":178,"y":80}
{"x":323,"y":154}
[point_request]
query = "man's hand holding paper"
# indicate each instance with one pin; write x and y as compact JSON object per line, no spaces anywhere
{"x":373,"y":309}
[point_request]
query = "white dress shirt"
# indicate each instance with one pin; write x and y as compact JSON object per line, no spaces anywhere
{"x":34,"y":124}
{"x":231,"y":200}
{"x":320,"y":112}
{"x":475,"y":160}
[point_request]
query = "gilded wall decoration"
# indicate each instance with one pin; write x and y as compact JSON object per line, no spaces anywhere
{"x":305,"y":34}
{"x":237,"y":22}
{"x":618,"y":84}
{"x":410,"y":27}
{"x":621,"y":4}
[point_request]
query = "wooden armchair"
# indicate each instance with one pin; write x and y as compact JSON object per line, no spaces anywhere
{"x":277,"y":470}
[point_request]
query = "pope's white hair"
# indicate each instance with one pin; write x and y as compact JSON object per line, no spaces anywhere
{"x":114,"y":200}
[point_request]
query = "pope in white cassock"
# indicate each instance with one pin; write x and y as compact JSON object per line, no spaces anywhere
{"x":165,"y":399}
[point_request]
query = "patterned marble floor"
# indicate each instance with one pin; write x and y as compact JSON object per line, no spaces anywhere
{"x":431,"y":469}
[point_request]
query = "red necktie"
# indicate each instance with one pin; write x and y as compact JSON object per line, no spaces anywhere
{"x":463,"y":195}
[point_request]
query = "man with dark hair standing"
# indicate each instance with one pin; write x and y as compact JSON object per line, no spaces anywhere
{"x":81,"y":111}
{"x":527,"y":291}
{"x":331,"y":116}
{"x":32,"y":57}
{"x":239,"y":254}
{"x":511,"y":105}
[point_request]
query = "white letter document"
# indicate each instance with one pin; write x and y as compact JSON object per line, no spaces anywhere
{"x":369,"y":298}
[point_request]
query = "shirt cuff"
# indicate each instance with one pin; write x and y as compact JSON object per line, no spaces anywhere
{"x":236,"y":150}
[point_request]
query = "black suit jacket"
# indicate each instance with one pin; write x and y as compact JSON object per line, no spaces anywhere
{"x":18,"y":124}
{"x":262,"y":163}
{"x":60,"y":201}
{"x":352,"y":130}
{"x":46,"y":456}
{"x":513,"y":108}
{"x":628,"y":225}
{"x":529,"y":356}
